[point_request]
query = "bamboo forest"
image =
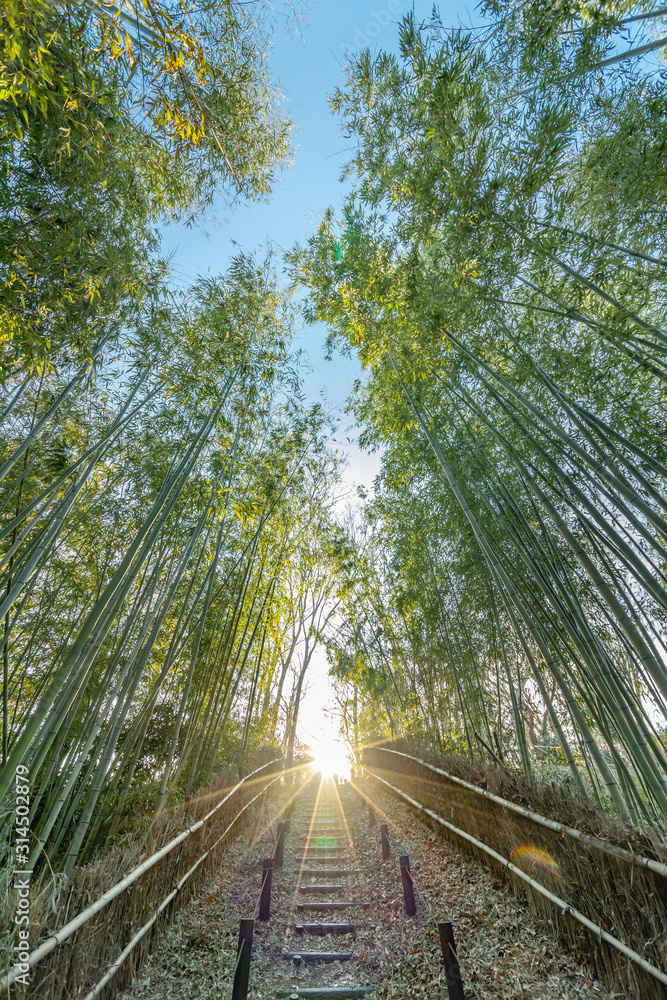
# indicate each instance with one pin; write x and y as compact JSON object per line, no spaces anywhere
{"x":333,"y":497}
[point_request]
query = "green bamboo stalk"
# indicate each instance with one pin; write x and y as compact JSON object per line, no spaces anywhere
{"x":160,"y":510}
{"x":18,"y":452}
{"x":188,"y":680}
{"x":618,"y":701}
{"x":498,"y":572}
{"x":627,"y":493}
{"x":519,"y":724}
{"x":102,"y":769}
{"x":119,"y":423}
{"x":640,"y":50}
{"x":75,"y":762}
{"x":15,"y":398}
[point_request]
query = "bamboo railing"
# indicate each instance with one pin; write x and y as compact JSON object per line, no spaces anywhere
{"x":82,"y":918}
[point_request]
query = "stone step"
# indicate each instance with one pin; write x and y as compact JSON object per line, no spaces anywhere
{"x":317,"y":835}
{"x":321,"y":848}
{"x":320,"y":828}
{"x":317,"y":956}
{"x":316,"y":842}
{"x":306,"y":835}
{"x":324,"y":828}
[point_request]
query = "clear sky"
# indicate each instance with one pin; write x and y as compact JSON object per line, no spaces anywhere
{"x":309,"y":68}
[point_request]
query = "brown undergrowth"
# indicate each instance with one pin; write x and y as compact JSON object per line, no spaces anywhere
{"x":628,"y":901}
{"x":77,"y":964}
{"x":505,"y":953}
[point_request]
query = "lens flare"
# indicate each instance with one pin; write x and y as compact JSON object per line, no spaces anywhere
{"x":331,"y":758}
{"x":533,"y":857}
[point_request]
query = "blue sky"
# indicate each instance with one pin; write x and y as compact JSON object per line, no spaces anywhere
{"x":308,"y":67}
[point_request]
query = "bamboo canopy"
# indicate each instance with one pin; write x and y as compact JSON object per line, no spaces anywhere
{"x":180,"y":544}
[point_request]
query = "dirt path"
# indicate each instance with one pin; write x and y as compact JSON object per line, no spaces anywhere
{"x":503,"y":951}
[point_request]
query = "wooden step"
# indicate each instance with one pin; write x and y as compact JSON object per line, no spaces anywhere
{"x":320,"y":888}
{"x":330,"y":905}
{"x":331,"y":859}
{"x":319,"y":849}
{"x":317,"y":956}
{"x":330,"y":872}
{"x":322,"y":929}
{"x":327,"y":992}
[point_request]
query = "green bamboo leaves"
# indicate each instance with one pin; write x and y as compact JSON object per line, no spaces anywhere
{"x":511,"y":320}
{"x":106,"y":130}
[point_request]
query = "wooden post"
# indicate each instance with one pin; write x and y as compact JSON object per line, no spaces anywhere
{"x":371,"y":816}
{"x":384,"y":839}
{"x":265,"y":896}
{"x":242,"y":972}
{"x":280,"y":847}
{"x":452,"y":971}
{"x":408,"y":887}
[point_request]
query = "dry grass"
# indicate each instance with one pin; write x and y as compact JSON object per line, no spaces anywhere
{"x":506,"y":950}
{"x":505,"y":953}
{"x":627,"y":901}
{"x":79,"y":962}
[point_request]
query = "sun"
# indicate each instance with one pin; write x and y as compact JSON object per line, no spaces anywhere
{"x":331,"y":757}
